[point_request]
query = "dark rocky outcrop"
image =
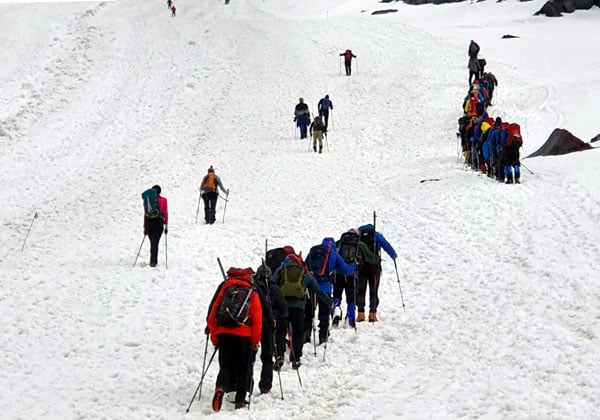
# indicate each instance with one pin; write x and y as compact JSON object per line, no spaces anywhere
{"x":509,"y":36}
{"x":555,"y":8}
{"x":561,"y":142}
{"x":384,"y":11}
{"x":595,"y":139}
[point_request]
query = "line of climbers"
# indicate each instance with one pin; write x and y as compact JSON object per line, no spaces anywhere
{"x":277,"y":304}
{"x":489,"y":145}
{"x":320,"y":123}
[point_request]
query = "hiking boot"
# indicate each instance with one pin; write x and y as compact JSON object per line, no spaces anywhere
{"x":217,"y":399}
{"x":264,"y":389}
{"x":152,"y":264}
{"x":372,"y":317}
{"x":360,"y":317}
{"x":242,"y":404}
{"x":337,"y":315}
{"x":315,"y":149}
{"x":278,"y":364}
{"x":296,"y":365}
{"x":320,"y":149}
{"x":517,"y":178}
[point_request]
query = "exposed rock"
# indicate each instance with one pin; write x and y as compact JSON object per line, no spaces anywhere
{"x":555,"y":8}
{"x":595,"y":139}
{"x":508,"y":36}
{"x":569,"y":6}
{"x":384,"y":11}
{"x":583,"y":4}
{"x":550,"y":9}
{"x":560,"y":142}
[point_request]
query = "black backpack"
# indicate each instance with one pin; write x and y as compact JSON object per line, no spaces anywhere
{"x":275,"y":256}
{"x":150,"y":197}
{"x":348,"y":246}
{"x":367,"y":236}
{"x":234,"y":307}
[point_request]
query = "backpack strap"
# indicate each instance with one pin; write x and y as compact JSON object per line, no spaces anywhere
{"x":326,"y":261}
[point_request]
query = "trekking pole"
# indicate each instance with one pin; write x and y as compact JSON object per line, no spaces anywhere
{"x":166,"y":253}
{"x":139,"y":250}
{"x":313,"y":325}
{"x":293,"y":353}
{"x":340,"y":65}
{"x":526,"y":168}
{"x":226,"y":201}
{"x":457,"y":147}
{"x":326,"y":340}
{"x":198,"y":208}
{"x":355,"y":292}
{"x":199,"y":387}
{"x":221,"y":267}
{"x":398,"y":277}
{"x":326,"y":142}
{"x":357,"y":72}
{"x":35,"y":216}
{"x":280,"y":386}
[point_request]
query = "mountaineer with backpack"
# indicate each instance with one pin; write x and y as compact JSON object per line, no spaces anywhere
{"x":351,"y":249}
{"x":316,"y":131}
{"x":209,"y":190}
{"x":302,"y":117}
{"x":275,"y":312}
{"x":474,"y":69}
{"x":322,"y":261}
{"x":293,"y":280}
{"x":512,"y":145}
{"x":156,"y":219}
{"x":235,"y":324}
{"x":323,"y":107}
{"x":473,"y":49}
{"x":348,"y":56}
{"x":371,"y":273}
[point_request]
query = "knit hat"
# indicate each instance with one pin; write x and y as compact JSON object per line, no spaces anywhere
{"x":498,"y":121}
{"x":211,"y":169}
{"x":157,"y":188}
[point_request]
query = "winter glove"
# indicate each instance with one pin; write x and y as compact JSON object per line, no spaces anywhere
{"x":206,"y":330}
{"x":166,"y":230}
{"x":145,"y":232}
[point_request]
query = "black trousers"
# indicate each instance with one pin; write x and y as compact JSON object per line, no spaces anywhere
{"x":325,"y":115}
{"x":344,"y":283}
{"x":154,"y":230}
{"x":210,"y":205}
{"x":235,"y":357}
{"x":309,"y":314}
{"x":348,"y":65}
{"x":266,"y":358}
{"x":369,"y":274}
{"x":295,"y":325}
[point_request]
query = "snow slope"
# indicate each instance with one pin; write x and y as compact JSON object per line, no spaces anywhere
{"x":103,"y":100}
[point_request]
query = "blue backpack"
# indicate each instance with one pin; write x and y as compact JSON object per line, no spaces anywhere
{"x":150,"y":197}
{"x":318,"y":261}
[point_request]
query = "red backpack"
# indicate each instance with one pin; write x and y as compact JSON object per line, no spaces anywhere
{"x":348,"y":55}
{"x":514,"y":135}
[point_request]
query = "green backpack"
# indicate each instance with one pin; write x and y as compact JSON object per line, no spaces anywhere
{"x":292,"y":278}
